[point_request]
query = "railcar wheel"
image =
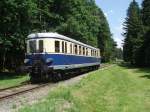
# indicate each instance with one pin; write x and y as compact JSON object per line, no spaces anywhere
{"x":57,"y":77}
{"x":34,"y":79}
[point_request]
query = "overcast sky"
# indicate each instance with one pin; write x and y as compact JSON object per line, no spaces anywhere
{"x":115,"y":11}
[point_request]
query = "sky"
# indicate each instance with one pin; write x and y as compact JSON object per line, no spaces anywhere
{"x":115,"y":12}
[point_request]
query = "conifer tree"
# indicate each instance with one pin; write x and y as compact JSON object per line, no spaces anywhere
{"x":146,"y":21}
{"x":146,"y":13}
{"x":105,"y":41}
{"x":133,"y":34}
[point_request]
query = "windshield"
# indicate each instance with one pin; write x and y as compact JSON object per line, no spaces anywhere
{"x":35,"y":46}
{"x":32,"y":46}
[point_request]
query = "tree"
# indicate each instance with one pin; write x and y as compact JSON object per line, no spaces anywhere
{"x":146,"y":21}
{"x":16,"y":21}
{"x":105,"y":41}
{"x":146,"y":13}
{"x":79,"y":19}
{"x":133,"y":34}
{"x":119,"y":53}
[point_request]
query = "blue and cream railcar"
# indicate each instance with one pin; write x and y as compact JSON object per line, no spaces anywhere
{"x":50,"y":52}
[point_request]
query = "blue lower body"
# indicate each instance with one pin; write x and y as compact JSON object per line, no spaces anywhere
{"x":62,"y":59}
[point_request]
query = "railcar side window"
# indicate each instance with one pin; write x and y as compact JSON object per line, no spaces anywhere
{"x":95,"y":53}
{"x":70,"y":48}
{"x":63,"y":47}
{"x":32,"y":46}
{"x":83,"y":50}
{"x":57,"y":46}
{"x":75,"y":49}
{"x":40,"y":46}
{"x":91,"y":52}
{"x":79,"y":50}
{"x":86,"y":51}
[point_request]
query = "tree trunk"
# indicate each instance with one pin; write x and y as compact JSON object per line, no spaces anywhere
{"x":4,"y":59}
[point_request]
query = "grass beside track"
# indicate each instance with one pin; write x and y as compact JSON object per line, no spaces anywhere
{"x":117,"y":89}
{"x":11,"y":79}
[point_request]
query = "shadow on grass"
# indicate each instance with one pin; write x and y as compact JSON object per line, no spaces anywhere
{"x":9,"y":75}
{"x":142,"y":70}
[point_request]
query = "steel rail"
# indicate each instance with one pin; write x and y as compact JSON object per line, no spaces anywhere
{"x":13,"y":90}
{"x":13,"y":93}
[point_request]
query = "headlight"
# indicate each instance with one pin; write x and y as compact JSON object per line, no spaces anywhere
{"x":49,"y":60}
{"x":26,"y":61}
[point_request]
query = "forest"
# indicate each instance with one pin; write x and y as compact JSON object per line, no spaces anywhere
{"x":82,"y":20}
{"x":136,"y":48}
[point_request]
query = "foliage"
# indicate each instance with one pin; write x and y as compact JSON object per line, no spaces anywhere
{"x":134,"y":31}
{"x":146,"y":21}
{"x":105,"y":41}
{"x":146,"y":13}
{"x":119,"y":53}
{"x":78,"y":19}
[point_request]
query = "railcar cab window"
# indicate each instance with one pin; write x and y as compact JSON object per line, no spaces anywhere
{"x":40,"y":46}
{"x":32,"y":46}
{"x":57,"y":46}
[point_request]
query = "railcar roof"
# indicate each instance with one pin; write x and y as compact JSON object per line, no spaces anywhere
{"x":58,"y":36}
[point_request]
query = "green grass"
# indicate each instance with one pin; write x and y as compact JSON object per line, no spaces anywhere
{"x":11,"y":79}
{"x":117,"y":89}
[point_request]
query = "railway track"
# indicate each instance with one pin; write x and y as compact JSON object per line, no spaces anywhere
{"x":10,"y":92}
{"x":14,"y":86}
{"x":26,"y":87}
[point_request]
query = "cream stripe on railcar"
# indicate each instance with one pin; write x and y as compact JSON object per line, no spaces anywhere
{"x":49,"y":45}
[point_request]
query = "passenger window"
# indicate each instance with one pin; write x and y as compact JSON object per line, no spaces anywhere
{"x":79,"y":50}
{"x":62,"y":46}
{"x":97,"y":53}
{"x":65,"y":47}
{"x":40,"y":46}
{"x":75,"y":49}
{"x":91,"y":52}
{"x":86,"y":51}
{"x":57,"y":46}
{"x":83,"y":50}
{"x":70,"y":48}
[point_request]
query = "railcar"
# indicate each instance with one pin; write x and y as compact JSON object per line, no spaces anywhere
{"x":50,"y":56}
